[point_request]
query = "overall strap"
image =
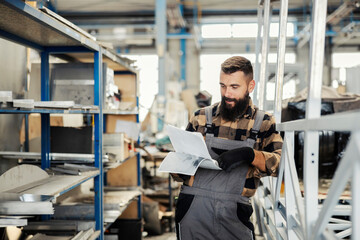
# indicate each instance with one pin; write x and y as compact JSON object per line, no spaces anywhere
{"x":257,"y":124}
{"x":208,"y":115}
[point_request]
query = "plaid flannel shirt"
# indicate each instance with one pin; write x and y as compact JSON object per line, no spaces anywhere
{"x":268,"y":141}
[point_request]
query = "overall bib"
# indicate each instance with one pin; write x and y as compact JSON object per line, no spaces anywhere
{"x":213,"y":207}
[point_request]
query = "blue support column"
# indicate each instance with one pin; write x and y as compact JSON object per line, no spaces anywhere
{"x":45,"y":118}
{"x":98,"y":133}
{"x":183,"y":53}
{"x":161,"y":46}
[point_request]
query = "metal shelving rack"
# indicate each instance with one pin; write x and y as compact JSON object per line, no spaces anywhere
{"x":134,"y":112}
{"x":27,"y":26}
{"x":297,"y":216}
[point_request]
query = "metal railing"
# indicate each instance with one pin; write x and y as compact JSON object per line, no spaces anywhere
{"x":297,"y":215}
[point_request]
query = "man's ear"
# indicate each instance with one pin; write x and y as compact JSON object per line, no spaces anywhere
{"x":251,"y":86}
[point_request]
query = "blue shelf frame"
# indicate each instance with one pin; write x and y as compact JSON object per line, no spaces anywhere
{"x":47,"y":111}
{"x":74,"y":42}
{"x":98,"y":123}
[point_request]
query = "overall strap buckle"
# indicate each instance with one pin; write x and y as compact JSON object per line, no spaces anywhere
{"x":208,"y":116}
{"x":209,"y":128}
{"x":253,"y":134}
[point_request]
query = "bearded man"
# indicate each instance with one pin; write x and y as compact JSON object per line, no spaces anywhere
{"x":243,"y":139}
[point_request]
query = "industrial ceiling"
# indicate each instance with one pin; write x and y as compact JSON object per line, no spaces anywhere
{"x":134,"y":20}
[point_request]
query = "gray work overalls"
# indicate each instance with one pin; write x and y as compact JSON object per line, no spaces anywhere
{"x":213,"y":207}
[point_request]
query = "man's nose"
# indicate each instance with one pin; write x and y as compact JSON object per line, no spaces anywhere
{"x":228,"y":93}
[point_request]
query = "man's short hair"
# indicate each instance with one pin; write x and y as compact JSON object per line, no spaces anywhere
{"x":237,"y":63}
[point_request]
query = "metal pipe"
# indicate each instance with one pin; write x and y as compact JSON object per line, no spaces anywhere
{"x":257,"y":52}
{"x":264,"y":54}
{"x":313,"y":106}
{"x":280,"y":65}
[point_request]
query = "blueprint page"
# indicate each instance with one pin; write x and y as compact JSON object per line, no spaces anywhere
{"x":190,"y":153}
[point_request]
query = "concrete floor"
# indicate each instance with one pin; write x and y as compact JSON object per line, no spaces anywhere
{"x":165,"y":236}
{"x":172,"y":236}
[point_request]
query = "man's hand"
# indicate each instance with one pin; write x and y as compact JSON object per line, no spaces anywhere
{"x":235,"y":157}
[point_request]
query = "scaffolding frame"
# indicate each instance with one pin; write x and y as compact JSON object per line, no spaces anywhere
{"x":294,"y":216}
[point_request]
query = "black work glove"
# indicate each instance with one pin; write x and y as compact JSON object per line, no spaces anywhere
{"x":235,"y":157}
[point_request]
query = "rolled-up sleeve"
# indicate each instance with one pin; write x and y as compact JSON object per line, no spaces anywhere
{"x":270,"y":147}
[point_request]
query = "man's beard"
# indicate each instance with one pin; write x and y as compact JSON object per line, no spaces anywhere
{"x":231,"y":113}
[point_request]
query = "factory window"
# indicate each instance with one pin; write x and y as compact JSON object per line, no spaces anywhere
{"x":241,"y":30}
{"x":245,"y":30}
{"x":148,"y":77}
{"x":274,"y":29}
{"x":216,"y":31}
{"x":345,"y":59}
{"x":345,"y":72}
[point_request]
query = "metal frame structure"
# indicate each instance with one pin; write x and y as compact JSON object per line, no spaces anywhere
{"x":294,"y":216}
{"x":59,"y":38}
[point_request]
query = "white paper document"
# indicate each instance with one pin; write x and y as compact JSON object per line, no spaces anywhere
{"x":190,"y":153}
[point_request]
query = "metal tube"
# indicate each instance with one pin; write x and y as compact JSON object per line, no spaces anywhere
{"x":280,"y":65}
{"x":341,"y":177}
{"x":264,"y":54}
{"x":355,"y":216}
{"x":257,"y":52}
{"x":348,"y":120}
{"x":289,"y":190}
{"x":98,"y":128}
{"x":313,"y":106}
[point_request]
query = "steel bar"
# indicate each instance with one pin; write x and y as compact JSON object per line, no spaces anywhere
{"x":340,"y":210}
{"x":94,"y":236}
{"x":60,"y":225}
{"x":25,"y":208}
{"x":348,"y":120}
{"x":280,"y":63}
{"x":341,"y":177}
{"x":289,"y":190}
{"x":345,"y":234}
{"x":313,"y":106}
{"x":337,"y":220}
{"x":54,"y":104}
{"x":23,"y":103}
{"x":5,"y":222}
{"x":338,"y":226}
{"x":53,"y":156}
{"x":264,"y":54}
{"x":295,"y":185}
{"x":355,"y":215}
{"x":83,"y":235}
{"x":257,"y":51}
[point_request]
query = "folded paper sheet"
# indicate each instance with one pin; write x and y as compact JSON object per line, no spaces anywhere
{"x":190,"y":153}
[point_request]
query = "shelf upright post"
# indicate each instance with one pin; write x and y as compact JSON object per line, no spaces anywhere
{"x":45,"y":117}
{"x":98,"y":133}
{"x":138,"y":158}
